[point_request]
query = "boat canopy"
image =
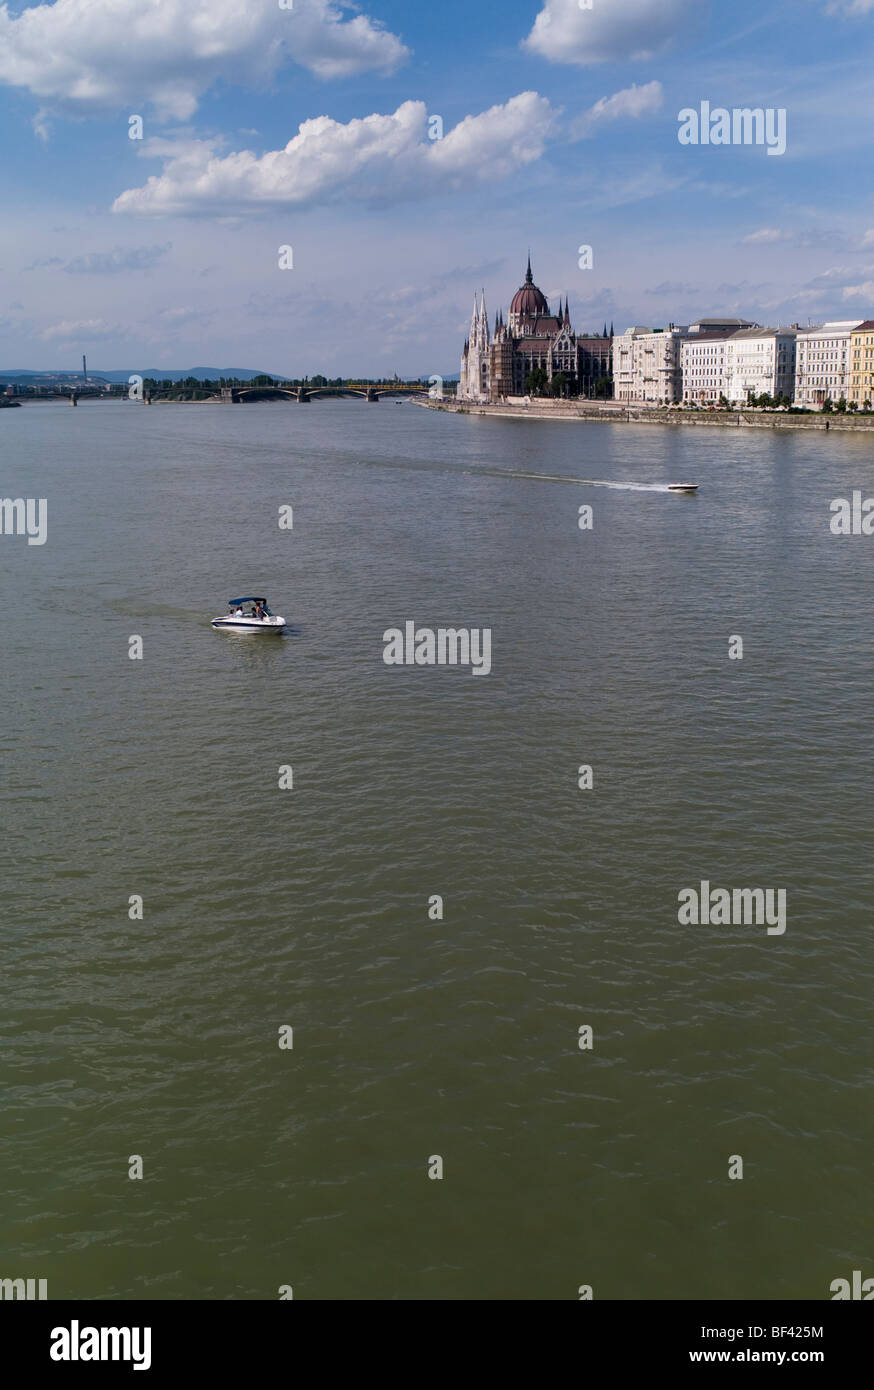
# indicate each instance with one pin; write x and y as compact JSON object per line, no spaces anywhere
{"x":238,"y":601}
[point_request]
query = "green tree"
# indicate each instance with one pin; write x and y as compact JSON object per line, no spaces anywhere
{"x":558,"y":385}
{"x":535,"y":382}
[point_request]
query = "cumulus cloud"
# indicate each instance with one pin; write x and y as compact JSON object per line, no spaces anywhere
{"x":376,"y":159}
{"x":612,"y":30}
{"x":92,"y":55}
{"x":631,"y":103}
{"x":851,"y":7}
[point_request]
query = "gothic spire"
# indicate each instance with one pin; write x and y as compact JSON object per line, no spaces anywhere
{"x":529,"y":278}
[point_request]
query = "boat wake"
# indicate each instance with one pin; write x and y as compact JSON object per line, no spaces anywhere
{"x":568,"y":478}
{"x":473,"y":471}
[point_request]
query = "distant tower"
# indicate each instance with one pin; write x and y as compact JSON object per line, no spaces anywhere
{"x":84,"y":369}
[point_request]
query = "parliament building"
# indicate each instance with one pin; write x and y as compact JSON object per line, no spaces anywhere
{"x":496,"y":365}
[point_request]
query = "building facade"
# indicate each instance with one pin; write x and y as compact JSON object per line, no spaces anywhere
{"x":531,"y":340}
{"x":760,"y":361}
{"x":647,"y":365}
{"x":861,"y":390}
{"x":703,"y":363}
{"x":702,"y":357}
{"x":822,"y":370}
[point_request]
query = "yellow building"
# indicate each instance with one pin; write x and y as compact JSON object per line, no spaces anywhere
{"x":862,"y":364}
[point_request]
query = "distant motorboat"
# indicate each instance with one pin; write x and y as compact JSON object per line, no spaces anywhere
{"x":236,"y":620}
{"x":691,"y":488}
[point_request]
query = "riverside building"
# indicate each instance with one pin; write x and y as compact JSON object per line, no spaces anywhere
{"x":760,"y":361}
{"x":647,"y":367}
{"x":861,"y":390}
{"x":822,"y":370}
{"x":648,"y":363}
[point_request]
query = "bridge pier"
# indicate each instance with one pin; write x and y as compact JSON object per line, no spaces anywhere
{"x":230,"y":395}
{"x":372,"y":394}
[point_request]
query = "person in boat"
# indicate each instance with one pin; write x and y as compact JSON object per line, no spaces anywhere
{"x":259,"y":611}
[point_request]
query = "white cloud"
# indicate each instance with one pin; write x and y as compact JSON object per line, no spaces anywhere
{"x":185,"y":314}
{"x":91,"y":55}
{"x":865,"y":291}
{"x":121,"y":259}
{"x":631,"y":103}
{"x":812,"y":237}
{"x":612,"y":30}
{"x":766,"y":236}
{"x":868,"y":239}
{"x":851,"y":7}
{"x":377,"y":159}
{"x":81,"y":330}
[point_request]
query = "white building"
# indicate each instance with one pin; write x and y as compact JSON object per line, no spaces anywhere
{"x":761,"y":361}
{"x":822,"y":368}
{"x":646,"y":365}
{"x":703,"y":362}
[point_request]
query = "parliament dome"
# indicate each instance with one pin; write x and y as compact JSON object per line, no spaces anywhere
{"x":529,"y":301}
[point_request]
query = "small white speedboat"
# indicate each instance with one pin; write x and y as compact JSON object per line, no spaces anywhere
{"x":691,"y":488}
{"x":258,"y":619}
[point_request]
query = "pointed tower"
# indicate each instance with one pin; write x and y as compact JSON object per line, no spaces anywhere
{"x":474,"y":321}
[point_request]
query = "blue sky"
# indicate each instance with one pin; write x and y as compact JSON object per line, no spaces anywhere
{"x":308,"y":127}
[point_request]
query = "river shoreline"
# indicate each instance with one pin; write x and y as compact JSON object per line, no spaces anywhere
{"x":616,"y":413}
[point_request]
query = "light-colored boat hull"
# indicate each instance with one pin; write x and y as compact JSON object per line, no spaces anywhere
{"x":249,"y":625}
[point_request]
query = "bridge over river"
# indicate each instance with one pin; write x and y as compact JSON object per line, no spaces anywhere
{"x":241,"y":395}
